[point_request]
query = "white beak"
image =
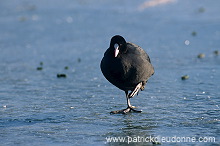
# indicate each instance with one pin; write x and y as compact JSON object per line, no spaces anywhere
{"x":116,"y":46}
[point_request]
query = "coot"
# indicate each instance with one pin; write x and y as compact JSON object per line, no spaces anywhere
{"x":128,"y":67}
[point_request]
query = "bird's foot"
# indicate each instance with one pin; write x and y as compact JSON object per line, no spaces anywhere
{"x":125,"y":111}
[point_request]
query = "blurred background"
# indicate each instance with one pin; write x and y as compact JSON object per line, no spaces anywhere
{"x":53,"y":92}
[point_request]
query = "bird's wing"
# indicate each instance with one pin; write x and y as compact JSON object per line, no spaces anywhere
{"x":138,"y":50}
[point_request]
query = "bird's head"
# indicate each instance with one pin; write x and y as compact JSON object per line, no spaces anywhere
{"x":118,"y":45}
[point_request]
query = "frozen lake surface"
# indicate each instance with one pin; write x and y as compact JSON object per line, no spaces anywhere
{"x":37,"y":108}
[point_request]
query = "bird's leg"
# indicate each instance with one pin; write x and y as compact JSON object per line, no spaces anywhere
{"x":128,"y":109}
{"x":136,"y":90}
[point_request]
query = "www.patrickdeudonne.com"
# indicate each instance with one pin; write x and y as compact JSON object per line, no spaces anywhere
{"x":159,"y":139}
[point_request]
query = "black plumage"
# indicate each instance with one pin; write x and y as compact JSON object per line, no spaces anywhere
{"x":128,"y":67}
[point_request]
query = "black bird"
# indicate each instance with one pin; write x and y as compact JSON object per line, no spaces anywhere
{"x":128,"y":67}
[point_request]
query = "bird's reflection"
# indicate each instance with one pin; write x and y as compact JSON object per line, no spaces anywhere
{"x":134,"y":130}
